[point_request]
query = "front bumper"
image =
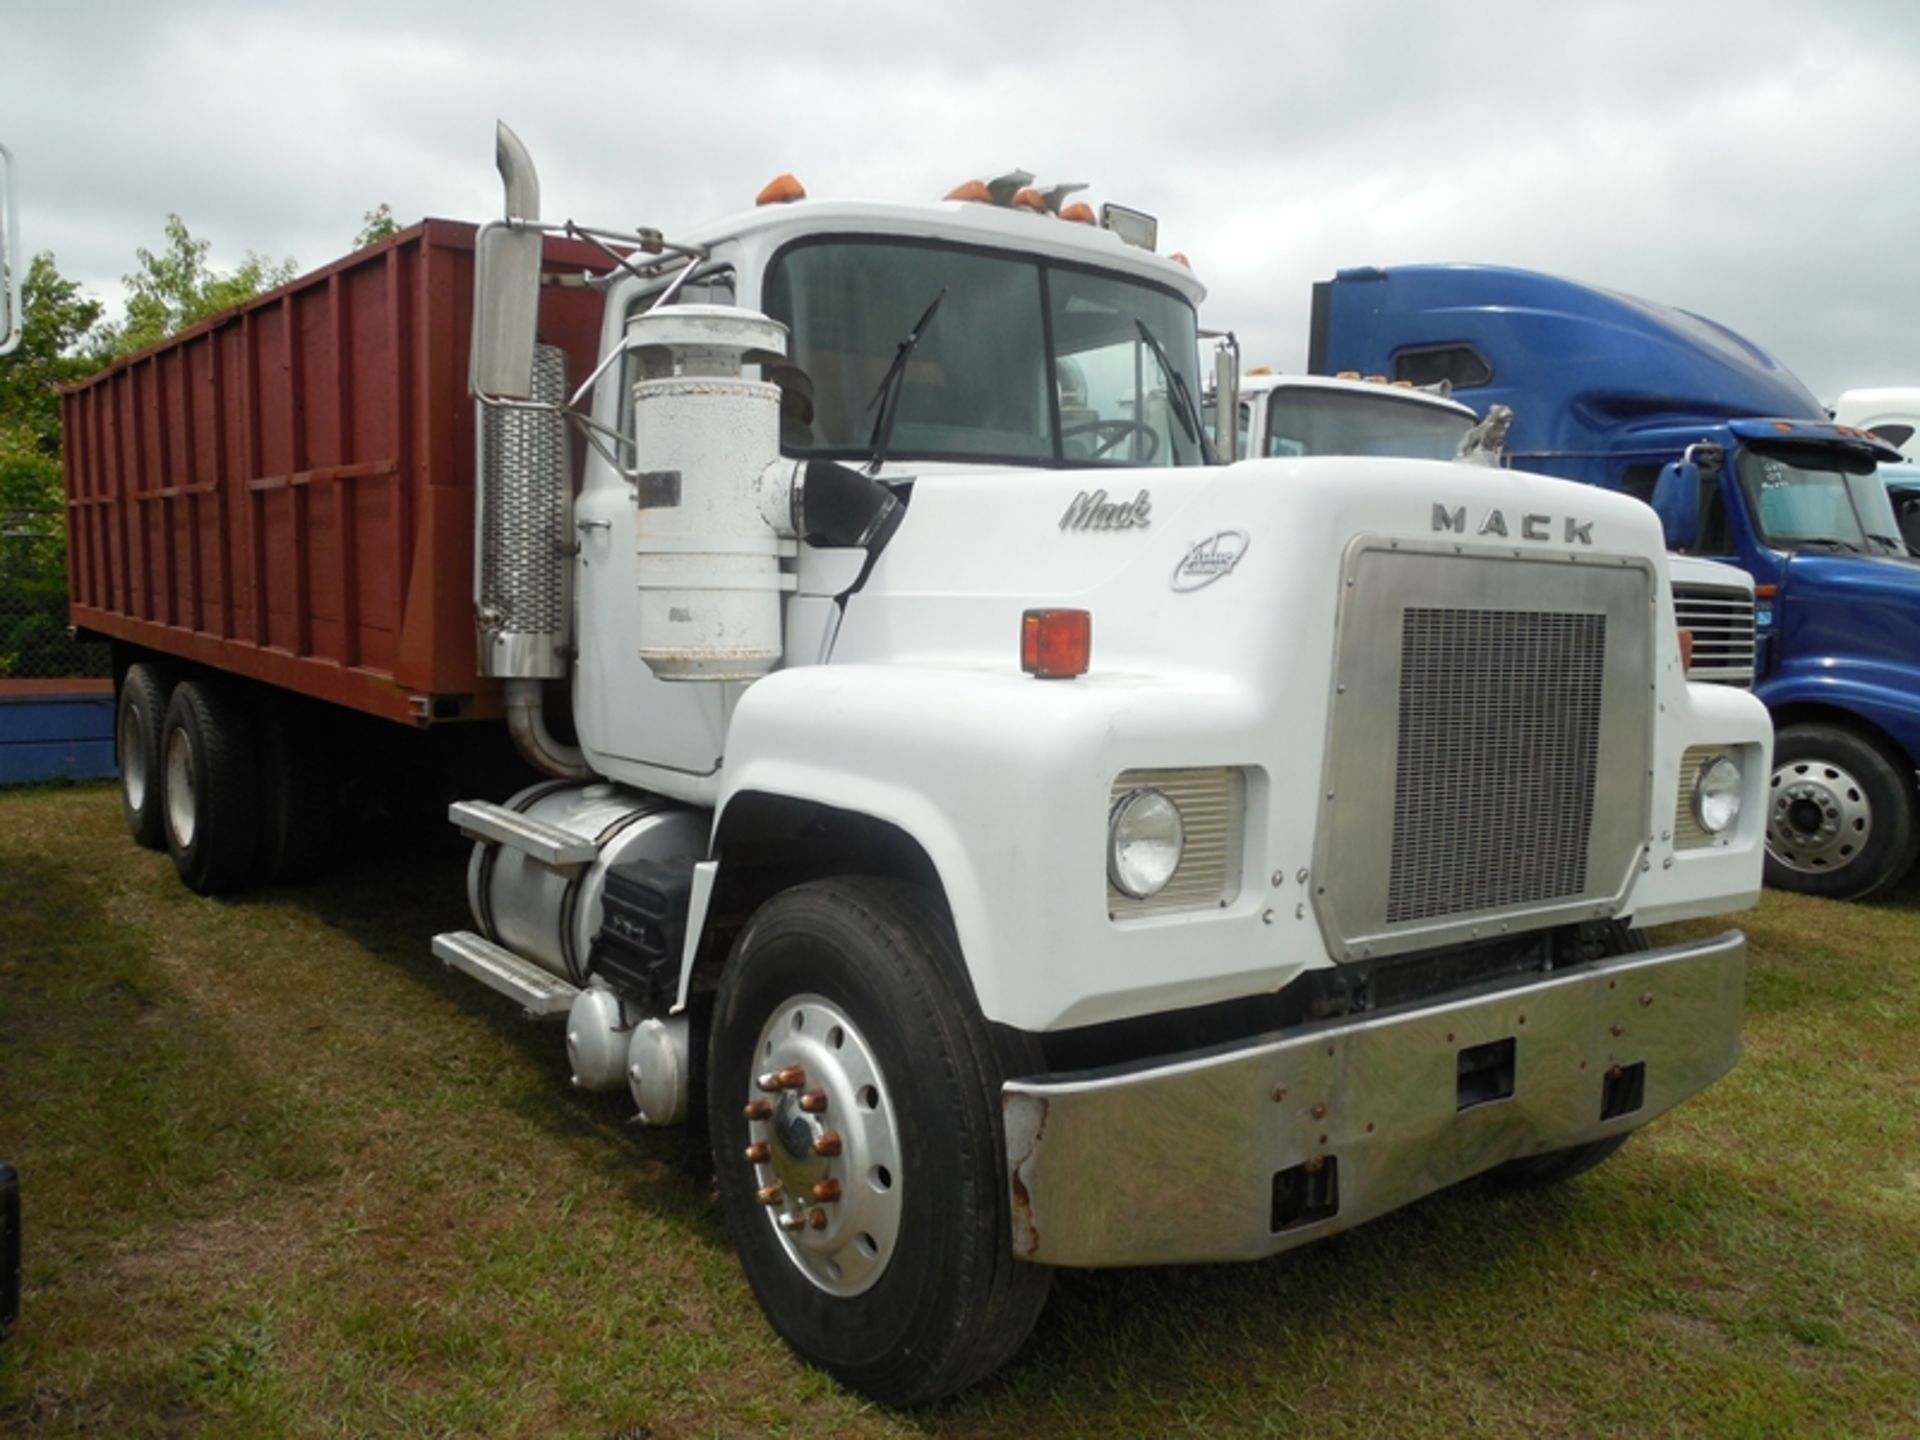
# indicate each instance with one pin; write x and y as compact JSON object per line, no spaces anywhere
{"x":1243,"y":1151}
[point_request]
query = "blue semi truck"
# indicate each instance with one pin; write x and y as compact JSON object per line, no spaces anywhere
{"x":1744,"y":465}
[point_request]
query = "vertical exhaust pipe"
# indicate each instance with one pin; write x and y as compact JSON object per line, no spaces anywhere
{"x":523,"y":494}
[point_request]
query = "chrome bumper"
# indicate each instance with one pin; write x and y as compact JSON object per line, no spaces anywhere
{"x":1238,"y":1153}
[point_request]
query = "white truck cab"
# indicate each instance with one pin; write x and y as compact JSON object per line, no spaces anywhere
{"x":1284,"y":415}
{"x":1890,"y":411}
{"x":1038,"y":846}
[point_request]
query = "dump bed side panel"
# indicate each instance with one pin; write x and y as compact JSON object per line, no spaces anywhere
{"x":286,"y":491}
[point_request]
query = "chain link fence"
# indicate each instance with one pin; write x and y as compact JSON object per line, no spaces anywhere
{"x":34,"y":644}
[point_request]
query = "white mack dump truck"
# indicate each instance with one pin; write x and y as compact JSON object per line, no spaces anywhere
{"x":1029,"y":844}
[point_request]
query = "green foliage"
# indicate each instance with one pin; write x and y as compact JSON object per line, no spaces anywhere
{"x":176,"y":288}
{"x":379,"y":225}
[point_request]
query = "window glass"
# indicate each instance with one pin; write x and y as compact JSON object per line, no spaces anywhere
{"x":1307,"y":420}
{"x":1460,"y":365}
{"x":1803,"y":499}
{"x":1023,"y":360}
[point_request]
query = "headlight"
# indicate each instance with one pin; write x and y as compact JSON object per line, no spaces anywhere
{"x":1145,"y":838}
{"x":1716,"y":795}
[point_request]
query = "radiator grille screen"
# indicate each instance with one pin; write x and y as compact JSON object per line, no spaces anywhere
{"x":1496,"y":759}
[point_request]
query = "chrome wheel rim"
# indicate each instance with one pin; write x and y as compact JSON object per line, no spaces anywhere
{"x":133,"y":757}
{"x":1818,"y":817}
{"x":181,"y":809}
{"x":824,"y":1145}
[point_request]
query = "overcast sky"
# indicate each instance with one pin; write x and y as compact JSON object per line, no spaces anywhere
{"x":1757,"y":162}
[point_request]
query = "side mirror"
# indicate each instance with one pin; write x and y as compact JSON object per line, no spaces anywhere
{"x":1676,"y":500}
{"x":11,"y":318}
{"x":506,"y":282}
{"x":1226,"y":400}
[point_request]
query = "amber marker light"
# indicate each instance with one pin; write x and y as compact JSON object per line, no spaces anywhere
{"x":1079,"y":213}
{"x":1686,"y":651}
{"x":1030,"y":200}
{"x":781,"y":190}
{"x":1056,"y":644}
{"x":974,"y":190}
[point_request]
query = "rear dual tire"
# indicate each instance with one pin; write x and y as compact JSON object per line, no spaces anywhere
{"x":139,"y":725}
{"x":210,"y":786}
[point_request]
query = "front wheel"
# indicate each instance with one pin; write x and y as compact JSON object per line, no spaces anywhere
{"x":854,"y":1107}
{"x":1840,"y":815}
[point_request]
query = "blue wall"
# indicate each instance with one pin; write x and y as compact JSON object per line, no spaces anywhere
{"x":44,"y":736}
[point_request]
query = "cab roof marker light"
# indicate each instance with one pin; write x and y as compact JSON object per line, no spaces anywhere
{"x":1135,"y":227}
{"x":971,"y":190}
{"x":1347,"y":375}
{"x":781,"y":190}
{"x":1080,"y":213}
{"x":1179,"y":258}
{"x":1030,"y":199}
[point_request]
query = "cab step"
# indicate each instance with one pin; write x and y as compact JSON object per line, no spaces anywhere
{"x":540,"y":994}
{"x":559,"y":850}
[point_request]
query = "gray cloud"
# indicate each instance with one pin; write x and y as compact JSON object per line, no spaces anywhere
{"x":1749,"y":161}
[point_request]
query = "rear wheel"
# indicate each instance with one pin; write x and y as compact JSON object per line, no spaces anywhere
{"x":210,"y":784}
{"x":139,"y":718}
{"x":853,"y":1100}
{"x":297,"y":792}
{"x":1840,"y":815}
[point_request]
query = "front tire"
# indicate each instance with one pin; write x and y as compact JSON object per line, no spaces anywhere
{"x":139,"y":718}
{"x":902,"y":1282}
{"x":211,"y":783}
{"x":1840,"y":815}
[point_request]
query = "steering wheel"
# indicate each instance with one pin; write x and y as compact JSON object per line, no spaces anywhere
{"x":1112,"y":432}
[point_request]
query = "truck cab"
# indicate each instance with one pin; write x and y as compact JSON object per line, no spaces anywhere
{"x":1640,"y":398}
{"x":1284,"y":415}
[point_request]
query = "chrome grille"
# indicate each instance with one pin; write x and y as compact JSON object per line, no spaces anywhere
{"x":1488,"y":743}
{"x":1494,"y":770}
{"x":1721,"y":620}
{"x":1687,"y":834}
{"x":1213,"y":807}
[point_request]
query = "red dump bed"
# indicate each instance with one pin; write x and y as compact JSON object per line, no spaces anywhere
{"x":286,"y":491}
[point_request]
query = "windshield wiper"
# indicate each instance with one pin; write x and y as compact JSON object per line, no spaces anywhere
{"x":886,"y":395}
{"x":1815,"y":542}
{"x":1898,"y":547}
{"x":1184,"y":410}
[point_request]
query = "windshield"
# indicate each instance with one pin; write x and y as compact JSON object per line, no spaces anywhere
{"x":1804,"y":499}
{"x":1025,"y":361}
{"x":1307,"y":420}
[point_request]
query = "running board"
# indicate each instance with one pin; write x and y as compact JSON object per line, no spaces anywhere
{"x":539,"y":993}
{"x":559,"y":850}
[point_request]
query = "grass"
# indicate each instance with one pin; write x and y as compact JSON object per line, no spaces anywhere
{"x":283,"y":1176}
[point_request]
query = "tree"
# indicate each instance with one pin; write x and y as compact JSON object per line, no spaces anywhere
{"x":379,"y":225}
{"x":176,"y":288}
{"x":59,"y":342}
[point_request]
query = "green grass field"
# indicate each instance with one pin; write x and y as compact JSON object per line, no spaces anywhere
{"x":285,"y":1176}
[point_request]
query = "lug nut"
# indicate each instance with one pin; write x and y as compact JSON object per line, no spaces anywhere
{"x":793,"y":1077}
{"x":827,"y":1190}
{"x":827,"y":1144}
{"x":759,"y":1109}
{"x":817,"y":1218}
{"x":791,"y":1222}
{"x":1320,"y":1112}
{"x":1618,"y":1030}
{"x":1646,"y":997}
{"x":757,"y":1153}
{"x":814,"y":1102}
{"x":771,"y":1194}
{"x":767,"y":1081}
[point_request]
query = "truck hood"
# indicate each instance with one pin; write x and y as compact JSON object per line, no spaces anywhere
{"x":1190,"y":569}
{"x":1856,"y":607}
